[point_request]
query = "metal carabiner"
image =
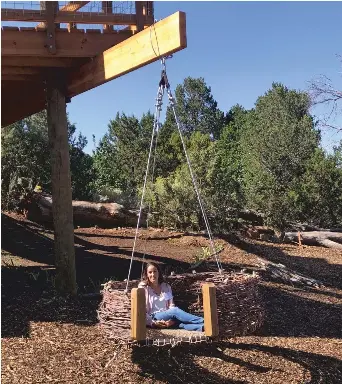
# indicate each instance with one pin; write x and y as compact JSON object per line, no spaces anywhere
{"x":163,"y":61}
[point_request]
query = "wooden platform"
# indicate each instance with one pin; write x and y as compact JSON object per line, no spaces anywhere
{"x":81,"y":58}
{"x":172,"y":337}
{"x":76,"y":43}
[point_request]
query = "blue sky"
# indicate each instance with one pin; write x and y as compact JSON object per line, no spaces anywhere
{"x":239,"y":48}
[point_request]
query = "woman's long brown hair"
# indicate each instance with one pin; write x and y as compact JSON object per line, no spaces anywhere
{"x":160,"y":274}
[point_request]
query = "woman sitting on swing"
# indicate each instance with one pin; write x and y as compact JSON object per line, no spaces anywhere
{"x":161,"y":311}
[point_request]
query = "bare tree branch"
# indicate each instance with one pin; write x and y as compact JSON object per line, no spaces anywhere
{"x":323,"y":92}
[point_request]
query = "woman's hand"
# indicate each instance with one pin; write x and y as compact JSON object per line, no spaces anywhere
{"x":163,"y":323}
{"x":170,"y":323}
{"x":159,"y":324}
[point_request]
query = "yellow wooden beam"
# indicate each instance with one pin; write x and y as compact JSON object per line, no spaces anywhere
{"x":161,"y":39}
{"x":210,"y":310}
{"x":138,"y":314}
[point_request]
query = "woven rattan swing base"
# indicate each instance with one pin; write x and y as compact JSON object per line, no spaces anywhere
{"x":239,"y":305}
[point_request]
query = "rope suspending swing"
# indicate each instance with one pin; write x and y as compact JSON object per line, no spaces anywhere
{"x":165,"y":85}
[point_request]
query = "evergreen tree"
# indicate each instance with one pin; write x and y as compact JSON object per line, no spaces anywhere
{"x":278,"y":140}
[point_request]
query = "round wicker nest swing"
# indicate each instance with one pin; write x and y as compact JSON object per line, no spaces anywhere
{"x":239,"y":306}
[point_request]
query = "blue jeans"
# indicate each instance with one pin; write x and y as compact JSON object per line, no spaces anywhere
{"x":184,"y":319}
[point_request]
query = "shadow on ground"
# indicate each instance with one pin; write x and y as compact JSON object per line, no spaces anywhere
{"x":317,"y":268}
{"x":178,"y":365}
{"x":158,"y":236}
{"x":26,"y":291}
{"x":289,"y":315}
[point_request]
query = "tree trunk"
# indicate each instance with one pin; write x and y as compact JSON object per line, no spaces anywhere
{"x":39,"y":208}
{"x":330,"y":244}
{"x":325,"y":238}
{"x":287,"y":275}
{"x":61,"y":187}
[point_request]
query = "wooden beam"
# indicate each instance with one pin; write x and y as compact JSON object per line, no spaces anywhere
{"x":132,"y":28}
{"x":29,"y":96}
{"x":19,"y":71}
{"x":73,"y":6}
{"x":139,"y":9}
{"x":61,"y":186}
{"x":69,"y":44}
{"x":138,"y":314}
{"x":210,"y":310}
{"x":163,"y":38}
{"x":40,"y":62}
{"x":72,"y":17}
{"x":24,"y":78}
{"x":14,"y":114}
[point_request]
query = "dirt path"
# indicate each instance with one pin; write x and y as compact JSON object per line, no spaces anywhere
{"x":47,"y":339}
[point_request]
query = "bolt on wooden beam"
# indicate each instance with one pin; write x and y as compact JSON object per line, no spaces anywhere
{"x":138,"y":314}
{"x":51,"y":9}
{"x":211,"y":328}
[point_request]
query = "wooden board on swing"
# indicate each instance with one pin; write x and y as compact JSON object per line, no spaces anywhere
{"x":153,"y":333}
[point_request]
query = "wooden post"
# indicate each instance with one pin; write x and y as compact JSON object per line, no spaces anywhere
{"x":149,"y":8}
{"x":107,"y":8}
{"x":61,"y":186}
{"x":300,"y":240}
{"x":140,"y":6}
{"x":51,"y":9}
{"x":71,"y":26}
{"x":210,"y":310}
{"x":138,"y":314}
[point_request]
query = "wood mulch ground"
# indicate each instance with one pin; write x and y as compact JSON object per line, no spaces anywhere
{"x":48,"y":339}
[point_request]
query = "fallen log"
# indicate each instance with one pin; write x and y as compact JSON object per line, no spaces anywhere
{"x":323,"y":238}
{"x":330,"y":244}
{"x":286,"y":275}
{"x":304,"y":227}
{"x":38,"y":208}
